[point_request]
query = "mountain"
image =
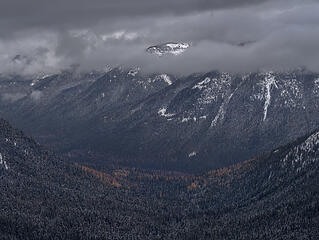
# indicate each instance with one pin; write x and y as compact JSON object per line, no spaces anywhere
{"x":44,"y":197}
{"x":273,"y":196}
{"x":172,"y":48}
{"x":194,"y":123}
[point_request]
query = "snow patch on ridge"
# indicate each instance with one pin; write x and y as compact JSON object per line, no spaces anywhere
{"x":186,"y":119}
{"x":165,"y":78}
{"x":133,"y":72}
{"x":192,"y":154}
{"x":213,"y":88}
{"x":202,"y":84}
{"x":107,"y":69}
{"x":162,"y":113}
{"x":39,"y":78}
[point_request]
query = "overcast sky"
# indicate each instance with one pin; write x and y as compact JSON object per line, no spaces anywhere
{"x":226,"y":35}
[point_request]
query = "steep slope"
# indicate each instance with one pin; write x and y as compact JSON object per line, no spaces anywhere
{"x":44,"y":198}
{"x":274,"y":196}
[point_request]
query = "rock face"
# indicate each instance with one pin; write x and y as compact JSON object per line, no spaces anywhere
{"x":168,"y":48}
{"x":193,"y":123}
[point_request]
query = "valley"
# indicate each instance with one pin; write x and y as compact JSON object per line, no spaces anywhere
{"x":43,"y":197}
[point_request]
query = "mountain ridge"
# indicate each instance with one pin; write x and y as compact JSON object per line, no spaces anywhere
{"x":184,"y":120}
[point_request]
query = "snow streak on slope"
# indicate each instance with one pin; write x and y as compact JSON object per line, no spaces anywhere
{"x":3,"y":162}
{"x":222,"y":110}
{"x":269,"y":81}
{"x":289,"y":91}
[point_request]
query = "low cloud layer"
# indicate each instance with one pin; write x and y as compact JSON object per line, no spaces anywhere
{"x":240,"y":36}
{"x":12,"y":97}
{"x":36,"y":95}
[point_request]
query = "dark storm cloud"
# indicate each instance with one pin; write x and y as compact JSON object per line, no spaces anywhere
{"x":237,"y":35}
{"x":17,"y":14}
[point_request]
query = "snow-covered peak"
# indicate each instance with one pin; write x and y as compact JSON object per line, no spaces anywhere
{"x":165,"y":78}
{"x":107,"y":69}
{"x":168,"y":48}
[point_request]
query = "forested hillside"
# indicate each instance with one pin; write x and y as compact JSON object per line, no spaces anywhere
{"x":273,"y":196}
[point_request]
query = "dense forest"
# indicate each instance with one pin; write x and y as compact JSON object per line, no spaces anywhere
{"x":273,"y":196}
